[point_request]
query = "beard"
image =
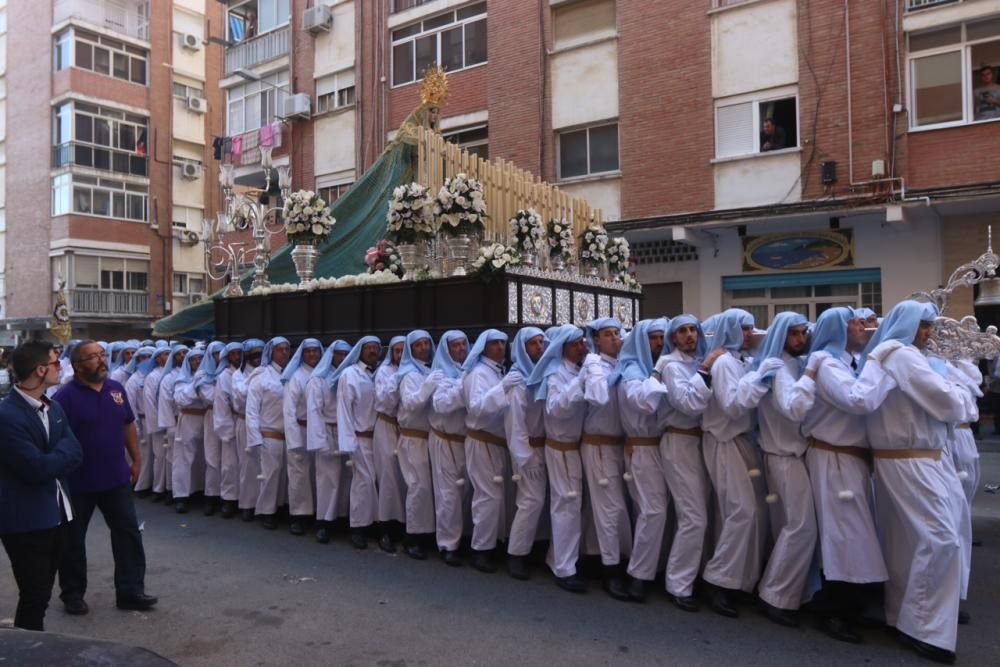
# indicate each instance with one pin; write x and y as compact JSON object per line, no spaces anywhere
{"x":99,"y":374}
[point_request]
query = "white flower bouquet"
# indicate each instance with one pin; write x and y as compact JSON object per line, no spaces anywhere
{"x":409,"y":217}
{"x":307,"y":218}
{"x":493,"y":259}
{"x":594,"y":246}
{"x":560,"y":238}
{"x":361,"y":279}
{"x":618,"y":255}
{"x":460,"y":206}
{"x":528,"y":231}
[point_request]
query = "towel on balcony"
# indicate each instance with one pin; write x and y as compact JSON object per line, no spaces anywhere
{"x":276,"y":133}
{"x":237,"y":146}
{"x":266,"y":135}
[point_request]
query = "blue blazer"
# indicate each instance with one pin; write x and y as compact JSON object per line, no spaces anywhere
{"x":30,"y":463}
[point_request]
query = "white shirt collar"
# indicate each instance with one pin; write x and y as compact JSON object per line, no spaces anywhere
{"x":33,"y":402}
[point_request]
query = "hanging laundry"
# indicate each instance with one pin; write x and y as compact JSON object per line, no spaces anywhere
{"x":217,"y":145}
{"x":237,"y":146}
{"x":276,"y":133}
{"x":266,"y":135}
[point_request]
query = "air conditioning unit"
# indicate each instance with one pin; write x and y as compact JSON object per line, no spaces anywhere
{"x":317,"y":19}
{"x":190,"y":42}
{"x":198,"y":298}
{"x":298,"y":105}
{"x":190,"y":170}
{"x":197,"y":104}
{"x":188,"y":237}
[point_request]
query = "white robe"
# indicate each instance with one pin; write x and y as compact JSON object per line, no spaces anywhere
{"x":187,"y":470}
{"x":264,"y":414}
{"x":356,"y":415}
{"x":134,"y":390}
{"x":452,"y":489}
{"x":391,"y":485}
{"x":525,"y":420}
{"x":249,"y":457}
{"x":299,"y":461}
{"x":166,"y":419}
{"x":333,"y":476}
{"x":224,"y":423}
{"x":414,"y":453}
{"x":157,"y":441}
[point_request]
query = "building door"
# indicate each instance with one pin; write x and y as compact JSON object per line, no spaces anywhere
{"x":661,"y":299}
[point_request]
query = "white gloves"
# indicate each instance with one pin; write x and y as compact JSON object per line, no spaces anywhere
{"x":816,"y":359}
{"x":769,"y":367}
{"x":661,"y":365}
{"x":883,"y":350}
{"x":434,"y":377}
{"x":511,"y":380}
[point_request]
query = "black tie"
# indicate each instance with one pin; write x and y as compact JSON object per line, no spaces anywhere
{"x":854,"y":364}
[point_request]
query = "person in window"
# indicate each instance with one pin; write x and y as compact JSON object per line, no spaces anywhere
{"x":250,"y":28}
{"x":772,"y":137}
{"x":140,"y":143}
{"x":987,"y":95}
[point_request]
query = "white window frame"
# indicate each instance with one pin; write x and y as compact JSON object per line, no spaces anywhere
{"x":755,"y":100}
{"x":466,"y":145}
{"x":187,"y":217}
{"x":436,"y":31}
{"x":66,"y":184}
{"x":282,"y":21}
{"x":338,"y":95}
{"x":769,"y":302}
{"x":73,"y":36}
{"x":120,"y":264}
{"x":964,"y":46}
{"x":115,"y":119}
{"x":189,"y":91}
{"x":588,"y":128}
{"x":238,"y":95}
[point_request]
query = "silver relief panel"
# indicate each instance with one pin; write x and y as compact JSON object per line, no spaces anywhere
{"x":512,"y":303}
{"x":562,"y":306}
{"x":603,"y":305}
{"x":583,"y":308}
{"x":536,"y":304}
{"x":621,"y":308}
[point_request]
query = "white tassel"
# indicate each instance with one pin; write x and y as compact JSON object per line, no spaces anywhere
{"x":846,"y":495}
{"x":349,"y":463}
{"x":395,"y":452}
{"x":603,"y":481}
{"x":772,"y":498}
{"x":962,"y":475}
{"x":572,"y":494}
{"x":754,"y":472}
{"x":515,"y":478}
{"x":460,"y":481}
{"x":627,"y":477}
{"x":498,"y":479}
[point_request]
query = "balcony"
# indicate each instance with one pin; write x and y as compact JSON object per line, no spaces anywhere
{"x":98,"y":157}
{"x":396,"y":6}
{"x":108,"y":302}
{"x":258,"y":50}
{"x":923,"y":4}
{"x":127,"y":17}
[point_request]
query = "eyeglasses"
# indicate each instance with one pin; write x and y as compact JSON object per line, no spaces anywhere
{"x":55,"y":363}
{"x":92,"y":357}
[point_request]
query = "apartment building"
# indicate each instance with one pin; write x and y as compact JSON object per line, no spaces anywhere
{"x":103,"y":179}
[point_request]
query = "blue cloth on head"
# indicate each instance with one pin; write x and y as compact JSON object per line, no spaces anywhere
{"x":296,"y":360}
{"x":479,"y":348}
{"x":133,"y":364}
{"x":265,"y":359}
{"x":252,"y":344}
{"x":863,"y":313}
{"x":777,"y":333}
{"x":711,"y":324}
{"x":549,"y":333}
{"x":148,"y":342}
{"x":186,"y":374}
{"x":68,"y":348}
{"x":396,"y":340}
{"x":353,"y":357}
{"x":729,"y":330}
{"x":830,"y":333}
{"x":325,"y":365}
{"x":659,"y":325}
{"x":548,"y":365}
{"x":408,"y":363}
{"x":901,"y":325}
{"x":676,"y":323}
{"x":635,"y":361}
{"x":160,"y":344}
{"x":213,"y":369}
{"x":522,"y":363}
{"x":442,"y":357}
{"x":114,"y":350}
{"x":169,"y":366}
{"x":147,"y":366}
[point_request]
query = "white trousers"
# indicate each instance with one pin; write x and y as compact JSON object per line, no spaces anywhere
{"x":145,"y":481}
{"x":793,"y":526}
{"x":966,"y":457}
{"x":415,"y":465}
{"x":648,"y":488}
{"x":489,"y":473}
{"x":392,"y":487}
{"x":530,"y":503}
{"x":213,"y":457}
{"x":301,"y":480}
{"x":273,"y":480}
{"x":229,"y":470}
{"x":687,"y":483}
{"x":249,"y":488}
{"x":330,"y":476}
{"x":739,"y":552}
{"x":364,"y":492}
{"x":566,"y":501}
{"x":604,"y":466}
{"x":451,"y":489}
{"x":190,"y":431}
{"x":158,"y":453}
{"x":163,"y":473}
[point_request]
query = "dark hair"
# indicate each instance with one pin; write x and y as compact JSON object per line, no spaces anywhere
{"x":76,"y":354}
{"x":28,"y":356}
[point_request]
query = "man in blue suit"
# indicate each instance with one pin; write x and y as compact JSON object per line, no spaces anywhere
{"x":37,"y":449}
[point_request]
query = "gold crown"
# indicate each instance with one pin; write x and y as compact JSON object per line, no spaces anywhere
{"x":434,"y":91}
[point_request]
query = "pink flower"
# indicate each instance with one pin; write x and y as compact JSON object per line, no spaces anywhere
{"x":379,"y":266}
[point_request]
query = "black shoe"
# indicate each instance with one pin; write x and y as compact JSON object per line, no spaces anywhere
{"x":451,"y":558}
{"x":572,"y":583}
{"x":636,"y":589}
{"x":140,"y":602}
{"x":211,"y":507}
{"x":385,"y":544}
{"x":925,"y":650}
{"x":145,"y":493}
{"x":181,"y":507}
{"x":76,"y":607}
{"x":268,"y":522}
{"x":687,"y":603}
{"x":228,"y":509}
{"x":358,"y":540}
{"x":785,"y":617}
{"x":963,"y":617}
{"x":483,"y":562}
{"x":841,"y":629}
{"x":722,"y":603}
{"x":415,"y":551}
{"x":169,"y":500}
{"x":296,"y":528}
{"x":247,"y":515}
{"x":977,"y":543}
{"x":323,"y":535}
{"x":614,"y":583}
{"x":518,"y":567}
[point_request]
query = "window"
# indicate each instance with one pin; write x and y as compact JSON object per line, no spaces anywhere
{"x":110,"y":273}
{"x":756,"y":126}
{"x":73,"y":193}
{"x":255,"y":103}
{"x":250,"y":18}
{"x":335,"y":91}
{"x":584,"y":21}
{"x":475,"y":140}
{"x":99,"y":137}
{"x":809,"y":300}
{"x":331,"y":193}
{"x":104,"y":55}
{"x":400,"y":5}
{"x":954,"y":74}
{"x":592,"y":150}
{"x":187,"y":217}
{"x":186,"y":90}
{"x":455,"y":40}
{"x":189,"y":283}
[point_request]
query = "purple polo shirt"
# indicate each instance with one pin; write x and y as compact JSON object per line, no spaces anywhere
{"x":98,"y":420}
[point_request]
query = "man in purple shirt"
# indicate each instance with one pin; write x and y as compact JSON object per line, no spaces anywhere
{"x":100,"y":415}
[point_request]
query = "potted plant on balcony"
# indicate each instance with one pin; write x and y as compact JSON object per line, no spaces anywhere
{"x":461,"y":212}
{"x":409,"y":225}
{"x":307,"y":222}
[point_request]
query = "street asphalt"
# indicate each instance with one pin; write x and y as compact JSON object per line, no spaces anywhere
{"x":232,"y":593}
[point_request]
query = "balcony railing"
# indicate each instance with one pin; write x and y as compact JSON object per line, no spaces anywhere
{"x":258,"y":50}
{"x":128,"y":17}
{"x":923,"y":4}
{"x":401,"y":5}
{"x":108,"y":302}
{"x":98,"y":157}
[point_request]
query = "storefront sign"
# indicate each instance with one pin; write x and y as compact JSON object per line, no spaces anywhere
{"x":798,"y":251}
